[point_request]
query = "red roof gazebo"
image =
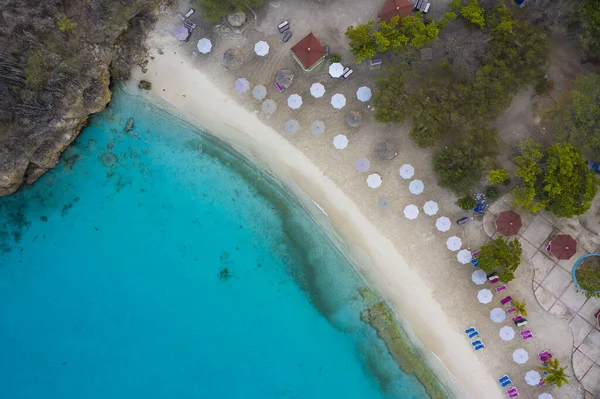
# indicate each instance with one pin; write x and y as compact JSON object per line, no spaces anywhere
{"x":392,"y":8}
{"x":309,"y":52}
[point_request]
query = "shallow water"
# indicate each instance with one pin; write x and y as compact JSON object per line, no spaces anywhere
{"x":158,"y":264}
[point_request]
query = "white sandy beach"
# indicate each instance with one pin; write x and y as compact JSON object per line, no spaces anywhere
{"x":406,"y":261}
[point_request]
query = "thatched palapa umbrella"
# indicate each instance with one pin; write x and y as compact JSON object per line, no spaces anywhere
{"x":386,"y":151}
{"x":284,"y":78}
{"x":233,"y":58}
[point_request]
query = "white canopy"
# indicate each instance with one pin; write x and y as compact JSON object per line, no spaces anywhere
{"x":261,"y":48}
{"x":484,"y":296}
{"x":363,"y":164}
{"x":464,"y":256}
{"x":411,"y":211}
{"x":416,"y":187}
{"x":479,"y":277}
{"x":507,"y":333}
{"x":431,"y":208}
{"x":259,"y":92}
{"x":407,"y":171}
{"x":363,"y":94}
{"x":292,"y":126}
{"x":242,"y":85}
{"x":545,"y":396}
{"x":340,"y":141}
{"x":520,"y":356}
{"x":317,"y":90}
{"x":453,"y":243}
{"x":497,"y":315}
{"x":317,"y":128}
{"x":294,"y":101}
{"x":336,"y":69}
{"x":443,"y":223}
{"x":338,"y":101}
{"x":532,"y":378}
{"x":374,"y":180}
{"x":204,"y":46}
{"x":384,"y":203}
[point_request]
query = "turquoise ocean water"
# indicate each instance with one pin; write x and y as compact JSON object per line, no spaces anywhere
{"x":159,"y":264}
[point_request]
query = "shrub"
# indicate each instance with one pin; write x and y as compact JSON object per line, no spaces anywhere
{"x":456,"y":6}
{"x":497,"y":176}
{"x":501,"y":256}
{"x":474,"y":13}
{"x":65,"y":24}
{"x":36,"y":74}
{"x":466,"y":202}
{"x":334,"y":58}
{"x":588,"y":276}
{"x":492,"y":194}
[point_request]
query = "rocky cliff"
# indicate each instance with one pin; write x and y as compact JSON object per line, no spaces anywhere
{"x":56,"y":62}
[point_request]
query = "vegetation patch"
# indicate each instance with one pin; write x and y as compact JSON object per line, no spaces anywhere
{"x":36,"y":73}
{"x":588,"y":276}
{"x":502,"y":257}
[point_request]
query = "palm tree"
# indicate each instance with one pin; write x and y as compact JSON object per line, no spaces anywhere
{"x":554,"y":373}
{"x":521,"y":307}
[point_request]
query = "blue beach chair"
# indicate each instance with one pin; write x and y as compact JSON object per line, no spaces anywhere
{"x":470,"y":330}
{"x":475,"y":343}
{"x":479,"y":347}
{"x":505,"y":381}
{"x":473,"y":334}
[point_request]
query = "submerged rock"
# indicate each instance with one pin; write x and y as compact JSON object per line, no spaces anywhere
{"x":130,"y":125}
{"x":145,"y":85}
{"x":109,"y":159}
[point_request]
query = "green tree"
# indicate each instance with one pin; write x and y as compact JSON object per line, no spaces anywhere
{"x":474,"y":13}
{"x":214,"y":10}
{"x":417,"y":33}
{"x":466,"y":203}
{"x":456,"y":6}
{"x":65,"y":24}
{"x":577,"y":120}
{"x":554,"y":373}
{"x":556,"y":179}
{"x":362,"y":45}
{"x":497,"y":176}
{"x":589,"y":16}
{"x":390,"y":97}
{"x":502,"y":257}
{"x":459,"y":167}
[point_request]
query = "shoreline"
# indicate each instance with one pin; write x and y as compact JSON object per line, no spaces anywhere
{"x":373,"y":254}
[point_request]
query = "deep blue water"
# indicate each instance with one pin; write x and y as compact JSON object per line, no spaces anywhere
{"x":178,"y":272}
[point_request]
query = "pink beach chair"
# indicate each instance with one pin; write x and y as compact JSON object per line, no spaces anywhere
{"x":513,"y":392}
{"x":511,"y":310}
{"x":506,"y":300}
{"x":501,"y":288}
{"x":279,"y":87}
{"x":525,"y":332}
{"x":544,"y":356}
{"x":493,"y":278}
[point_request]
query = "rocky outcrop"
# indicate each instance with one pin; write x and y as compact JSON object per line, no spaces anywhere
{"x":56,"y":62}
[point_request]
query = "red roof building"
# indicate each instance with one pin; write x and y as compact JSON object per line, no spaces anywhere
{"x":392,"y":8}
{"x":309,"y":52}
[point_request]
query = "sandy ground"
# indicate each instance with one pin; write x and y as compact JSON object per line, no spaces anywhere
{"x":407,"y":261}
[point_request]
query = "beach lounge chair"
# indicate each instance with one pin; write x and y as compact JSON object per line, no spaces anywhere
{"x":513,"y":393}
{"x":284,"y":29}
{"x":511,"y":310}
{"x":190,"y":13}
{"x":473,"y":334}
{"x":545,"y":356}
{"x":475,"y":262}
{"x":475,"y":254}
{"x":475,"y":343}
{"x":504,"y":381}
{"x":493,"y":278}
{"x":597,"y":315}
{"x":287,"y":36}
{"x":501,"y":288}
{"x":526,"y":337}
{"x":506,"y":300}
{"x":525,"y":332}
{"x":347,"y":74}
{"x":470,"y":330}
{"x":521,"y":322}
{"x":479,"y":347}
{"x":282,"y":25}
{"x":279,"y":87}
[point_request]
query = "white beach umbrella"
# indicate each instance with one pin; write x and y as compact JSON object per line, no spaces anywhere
{"x":384,"y":203}
{"x":407,"y":171}
{"x":507,"y":333}
{"x":464,"y":256}
{"x":340,"y":141}
{"x":443,"y":223}
{"x":497,"y":315}
{"x":431,"y":208}
{"x":453,"y":243}
{"x":363,"y":164}
{"x":338,"y":101}
{"x":411,"y":211}
{"x":269,"y":106}
{"x":317,"y":128}
{"x":242,"y":85}
{"x":520,"y":356}
{"x":292,"y":126}
{"x":363,"y":94}
{"x":484,"y":296}
{"x":532,"y":377}
{"x":336,"y":69}
{"x":374,"y":180}
{"x":416,"y":187}
{"x":317,"y":90}
{"x":479,"y":277}
{"x":261,"y":48}
{"x":259,"y":92}
{"x":545,"y":396}
{"x":294,"y":101}
{"x":204,"y":46}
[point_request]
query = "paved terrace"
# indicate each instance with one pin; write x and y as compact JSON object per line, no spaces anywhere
{"x":554,"y":287}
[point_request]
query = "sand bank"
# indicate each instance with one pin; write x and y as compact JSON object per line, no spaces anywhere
{"x":198,"y":98}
